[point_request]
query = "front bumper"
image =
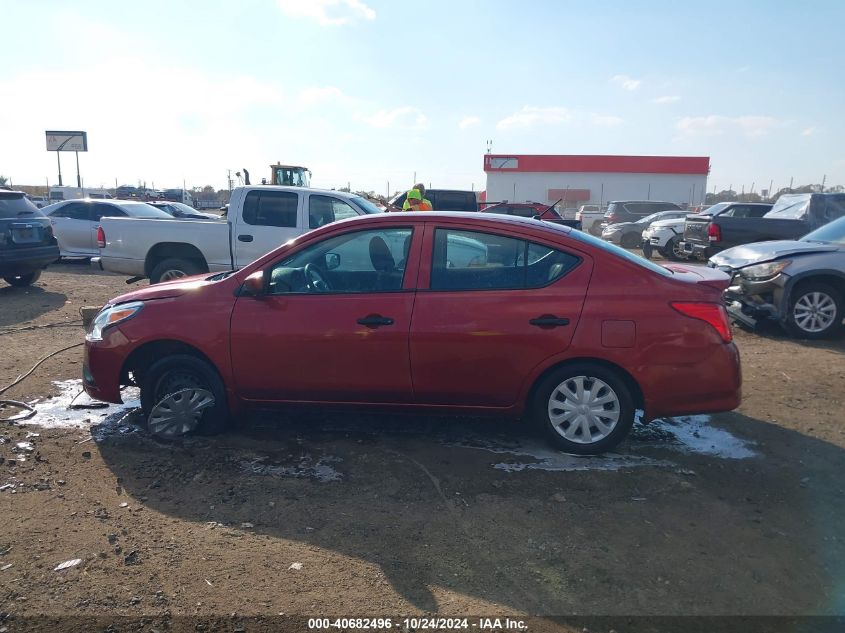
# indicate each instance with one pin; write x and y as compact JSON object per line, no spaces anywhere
{"x":749,"y":302}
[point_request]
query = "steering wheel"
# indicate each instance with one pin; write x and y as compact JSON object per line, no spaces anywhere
{"x":314,"y":280}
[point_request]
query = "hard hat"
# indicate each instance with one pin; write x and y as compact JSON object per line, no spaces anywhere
{"x":414,"y":194}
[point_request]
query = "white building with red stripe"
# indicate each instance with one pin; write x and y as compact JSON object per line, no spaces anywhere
{"x":592,"y":179}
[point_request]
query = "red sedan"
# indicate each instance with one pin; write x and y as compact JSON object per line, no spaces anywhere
{"x":442,"y":311}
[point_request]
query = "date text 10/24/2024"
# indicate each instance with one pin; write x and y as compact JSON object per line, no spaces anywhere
{"x":417,"y":624}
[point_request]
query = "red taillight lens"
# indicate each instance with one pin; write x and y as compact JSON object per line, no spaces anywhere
{"x":101,"y":237}
{"x":714,"y":232}
{"x":712,"y":313}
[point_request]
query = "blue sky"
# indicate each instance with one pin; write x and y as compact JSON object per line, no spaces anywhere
{"x":372,"y":92}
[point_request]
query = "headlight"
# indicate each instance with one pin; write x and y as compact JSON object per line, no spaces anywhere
{"x":759,"y":272}
{"x":112,"y":315}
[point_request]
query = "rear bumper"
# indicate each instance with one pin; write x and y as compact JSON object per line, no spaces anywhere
{"x":22,"y":261}
{"x":723,"y":390}
{"x":697,"y":249}
{"x":97,"y":263}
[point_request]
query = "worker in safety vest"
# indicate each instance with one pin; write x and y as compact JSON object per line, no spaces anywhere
{"x":415,"y":201}
{"x":406,"y":206}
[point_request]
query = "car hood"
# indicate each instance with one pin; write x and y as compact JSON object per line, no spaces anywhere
{"x":665,"y":224}
{"x":760,"y":252}
{"x":165,"y":290}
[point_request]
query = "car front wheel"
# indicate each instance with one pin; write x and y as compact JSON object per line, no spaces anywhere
{"x":23,"y":280}
{"x":183,"y":394}
{"x":673,"y":251}
{"x":816,"y":311}
{"x":585,"y":408}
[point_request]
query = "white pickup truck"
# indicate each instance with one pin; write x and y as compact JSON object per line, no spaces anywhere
{"x":260,"y":218}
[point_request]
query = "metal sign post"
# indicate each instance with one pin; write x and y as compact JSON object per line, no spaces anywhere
{"x":64,"y":141}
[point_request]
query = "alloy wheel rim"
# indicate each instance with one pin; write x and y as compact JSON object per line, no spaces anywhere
{"x":584,"y":409}
{"x":170,"y":275}
{"x":676,"y":249}
{"x":814,"y":312}
{"x":179,"y":413}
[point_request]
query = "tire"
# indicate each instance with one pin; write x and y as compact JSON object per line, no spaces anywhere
{"x":816,"y":310}
{"x":173,"y":268}
{"x":20,"y":281}
{"x":550,"y":392}
{"x":630,"y":240}
{"x":180,"y":371}
{"x":648,"y":250}
{"x":672,"y":251}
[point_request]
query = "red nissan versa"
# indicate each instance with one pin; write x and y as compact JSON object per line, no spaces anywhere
{"x":443,"y":311}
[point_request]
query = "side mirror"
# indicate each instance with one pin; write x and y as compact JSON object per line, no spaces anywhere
{"x":332,"y":261}
{"x":254,"y":284}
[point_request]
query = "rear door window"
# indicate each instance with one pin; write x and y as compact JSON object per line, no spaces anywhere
{"x":271,"y":208}
{"x":99,"y":211}
{"x":453,"y":201}
{"x":471,"y":260}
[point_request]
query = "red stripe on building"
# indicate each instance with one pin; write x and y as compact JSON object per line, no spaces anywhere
{"x":592,"y":163}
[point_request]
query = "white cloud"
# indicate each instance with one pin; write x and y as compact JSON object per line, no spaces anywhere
{"x":809,"y":131}
{"x":406,"y":117}
{"x":324,"y":94}
{"x":667,"y":99}
{"x":468,"y":121}
{"x":327,"y":12}
{"x":532,"y":115}
{"x":716,"y":125}
{"x":605,"y":120}
{"x":626,"y":82}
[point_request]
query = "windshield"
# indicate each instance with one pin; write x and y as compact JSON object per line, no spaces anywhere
{"x":790,"y":207}
{"x":833,"y":233}
{"x":651,"y":218}
{"x":365,"y":205}
{"x":716,"y":209}
{"x":183,"y":208}
{"x":620,"y":252}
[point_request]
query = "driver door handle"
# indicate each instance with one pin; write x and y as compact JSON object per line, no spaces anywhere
{"x":245,"y":238}
{"x":375,"y":320}
{"x":549,"y":320}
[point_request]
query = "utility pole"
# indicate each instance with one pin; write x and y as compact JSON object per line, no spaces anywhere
{"x":229,"y":179}
{"x":823,"y":180}
{"x":648,"y":196}
{"x":790,"y":184}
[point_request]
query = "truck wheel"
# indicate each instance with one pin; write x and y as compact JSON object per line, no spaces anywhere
{"x":178,"y":372}
{"x":672,"y":251}
{"x":23,"y":280}
{"x":584,"y":408}
{"x":815,"y":311}
{"x":173,"y":268}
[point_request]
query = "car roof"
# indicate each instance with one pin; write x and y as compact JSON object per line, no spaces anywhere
{"x":334,"y":192}
{"x":482,"y":219}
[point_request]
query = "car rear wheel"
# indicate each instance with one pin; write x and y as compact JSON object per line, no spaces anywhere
{"x":181,"y":384}
{"x":173,"y":268}
{"x":816,"y":311}
{"x":585,"y":409}
{"x":23,"y":280}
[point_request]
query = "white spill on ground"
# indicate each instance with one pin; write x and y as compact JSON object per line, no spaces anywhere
{"x":687,"y":434}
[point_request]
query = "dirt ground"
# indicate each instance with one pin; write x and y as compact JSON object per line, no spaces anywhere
{"x":342,"y":514}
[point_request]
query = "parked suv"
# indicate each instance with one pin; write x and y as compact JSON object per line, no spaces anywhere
{"x":27,"y":243}
{"x":445,"y":200}
{"x":633,"y":210}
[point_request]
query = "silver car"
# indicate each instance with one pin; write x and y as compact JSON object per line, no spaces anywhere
{"x":75,"y":222}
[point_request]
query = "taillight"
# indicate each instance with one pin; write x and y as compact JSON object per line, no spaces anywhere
{"x":578,"y":216}
{"x":714,"y":232}
{"x":101,"y":237}
{"x":712,"y":313}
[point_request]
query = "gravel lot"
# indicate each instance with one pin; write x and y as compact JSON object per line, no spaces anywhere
{"x":322,"y":513}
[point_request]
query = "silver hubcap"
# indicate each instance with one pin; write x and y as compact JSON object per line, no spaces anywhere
{"x":814,"y":312}
{"x":676,"y":249}
{"x":179,"y":413}
{"x":170,"y":275}
{"x":584,"y":409}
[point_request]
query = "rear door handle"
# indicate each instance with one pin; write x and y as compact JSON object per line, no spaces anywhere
{"x":245,"y":238}
{"x":375,"y":320}
{"x":549,"y":320}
